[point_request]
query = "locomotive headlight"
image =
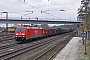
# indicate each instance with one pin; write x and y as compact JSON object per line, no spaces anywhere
{"x":23,"y":34}
{"x":16,"y":34}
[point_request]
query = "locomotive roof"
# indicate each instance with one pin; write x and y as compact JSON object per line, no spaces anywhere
{"x":29,"y":27}
{"x":42,"y":26}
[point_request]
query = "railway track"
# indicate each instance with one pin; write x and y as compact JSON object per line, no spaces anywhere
{"x":22,"y":49}
{"x":5,"y":34}
{"x":51,"y":52}
{"x":16,"y":51}
{"x":6,"y":38}
{"x":40,"y":51}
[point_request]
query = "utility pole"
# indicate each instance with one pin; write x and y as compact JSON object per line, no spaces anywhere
{"x":85,"y":24}
{"x":6,"y":23}
{"x":6,"y":14}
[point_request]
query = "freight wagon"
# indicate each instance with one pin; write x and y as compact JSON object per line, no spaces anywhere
{"x":11,"y":29}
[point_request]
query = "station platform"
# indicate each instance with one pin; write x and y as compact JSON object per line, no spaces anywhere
{"x":71,"y":51}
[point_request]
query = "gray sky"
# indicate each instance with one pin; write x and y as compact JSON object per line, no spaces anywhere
{"x":18,"y":8}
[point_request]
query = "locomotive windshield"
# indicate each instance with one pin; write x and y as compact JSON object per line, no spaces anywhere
{"x":20,"y":29}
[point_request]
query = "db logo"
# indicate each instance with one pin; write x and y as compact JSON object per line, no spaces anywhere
{"x":36,"y":32}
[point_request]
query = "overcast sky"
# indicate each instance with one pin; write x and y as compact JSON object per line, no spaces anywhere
{"x":50,"y":9}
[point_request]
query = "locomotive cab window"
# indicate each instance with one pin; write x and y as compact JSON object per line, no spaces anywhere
{"x":20,"y":30}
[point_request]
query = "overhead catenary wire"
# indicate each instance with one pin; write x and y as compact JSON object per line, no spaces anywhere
{"x":25,"y":2}
{"x":10,"y":11}
{"x":56,"y":9}
{"x":18,"y":13}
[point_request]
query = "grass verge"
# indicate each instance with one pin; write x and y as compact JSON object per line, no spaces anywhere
{"x":82,"y":55}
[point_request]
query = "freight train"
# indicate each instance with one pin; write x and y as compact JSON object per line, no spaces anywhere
{"x":26,"y":33}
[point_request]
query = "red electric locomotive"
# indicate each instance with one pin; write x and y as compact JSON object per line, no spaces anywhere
{"x":23,"y":33}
